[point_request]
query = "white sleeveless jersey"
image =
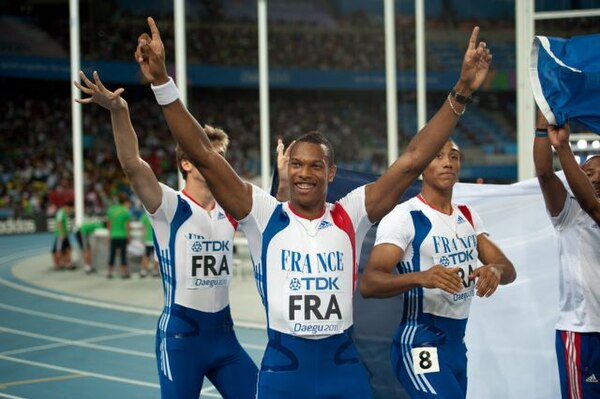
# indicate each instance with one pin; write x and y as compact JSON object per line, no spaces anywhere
{"x":194,"y":247}
{"x":579,"y":269}
{"x":429,"y":237}
{"x":306,"y":270}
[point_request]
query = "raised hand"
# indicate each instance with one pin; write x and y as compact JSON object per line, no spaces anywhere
{"x":150,"y":55}
{"x":476,"y":63}
{"x":283,"y":158}
{"x":558,"y":135}
{"x":443,"y":278}
{"x":99,"y":94}
{"x":488,"y":278}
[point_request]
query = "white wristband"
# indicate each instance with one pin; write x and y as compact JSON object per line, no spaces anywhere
{"x":166,"y":93}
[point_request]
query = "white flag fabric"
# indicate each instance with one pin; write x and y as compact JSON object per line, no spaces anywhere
{"x":510,"y":336}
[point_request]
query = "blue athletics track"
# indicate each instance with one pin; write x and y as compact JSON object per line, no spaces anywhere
{"x":69,"y":335}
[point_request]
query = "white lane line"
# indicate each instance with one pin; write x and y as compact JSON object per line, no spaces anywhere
{"x":95,"y":303}
{"x":207,"y":391}
{"x":60,"y":342}
{"x":76,"y":321}
{"x":82,"y":372}
{"x":4,"y":395}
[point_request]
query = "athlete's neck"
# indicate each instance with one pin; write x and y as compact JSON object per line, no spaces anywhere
{"x":437,"y":199}
{"x":200,"y":194}
{"x":310,"y":213}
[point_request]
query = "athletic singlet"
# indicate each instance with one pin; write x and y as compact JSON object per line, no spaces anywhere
{"x":194,"y":248}
{"x":579,"y":269}
{"x":429,"y":237}
{"x":306,"y":270}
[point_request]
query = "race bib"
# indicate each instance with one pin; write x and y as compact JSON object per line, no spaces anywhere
{"x":425,"y":360}
{"x":314,"y":305}
{"x":208,"y":263}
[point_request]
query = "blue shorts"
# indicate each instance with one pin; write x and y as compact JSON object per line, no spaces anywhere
{"x":197,"y":345}
{"x":446,"y":336}
{"x":578,"y":356}
{"x":300,"y":368}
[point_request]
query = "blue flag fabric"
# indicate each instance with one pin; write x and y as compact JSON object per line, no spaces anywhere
{"x":375,"y":320}
{"x":565,"y":78}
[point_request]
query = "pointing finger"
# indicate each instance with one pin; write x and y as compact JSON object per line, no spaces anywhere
{"x":153,"y":29}
{"x":473,"y":38}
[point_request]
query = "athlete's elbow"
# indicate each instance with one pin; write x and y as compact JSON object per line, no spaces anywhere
{"x":366,"y":290}
{"x":509,"y":275}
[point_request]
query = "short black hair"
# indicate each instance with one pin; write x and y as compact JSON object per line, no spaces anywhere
{"x":316,"y":137}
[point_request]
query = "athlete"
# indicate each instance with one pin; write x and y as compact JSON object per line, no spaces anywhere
{"x":194,"y":243}
{"x":576,"y":219}
{"x":305,"y":250}
{"x":434,"y":244}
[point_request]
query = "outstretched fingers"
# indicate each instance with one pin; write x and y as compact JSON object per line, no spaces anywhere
{"x":83,"y":89}
{"x":87,"y":82}
{"x":98,"y":81}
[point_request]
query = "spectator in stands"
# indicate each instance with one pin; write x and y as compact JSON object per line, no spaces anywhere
{"x":576,"y":219}
{"x":194,"y":238}
{"x":118,"y":217}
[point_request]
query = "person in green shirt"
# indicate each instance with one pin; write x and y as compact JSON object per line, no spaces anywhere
{"x":82,"y":234}
{"x":118,"y":217}
{"x":61,"y":248}
{"x":149,"y":251}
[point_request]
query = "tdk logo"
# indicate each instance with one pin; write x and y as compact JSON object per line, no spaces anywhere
{"x":444,"y":261}
{"x":295,"y":284}
{"x":460,"y":220}
{"x":324,"y":224}
{"x":314,"y":284}
{"x":220,"y":216}
{"x":197,"y":246}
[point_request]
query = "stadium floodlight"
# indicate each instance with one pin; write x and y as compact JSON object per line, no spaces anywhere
{"x":582,"y":144}
{"x":595,"y":144}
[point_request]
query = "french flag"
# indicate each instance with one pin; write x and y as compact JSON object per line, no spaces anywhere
{"x":565,"y":78}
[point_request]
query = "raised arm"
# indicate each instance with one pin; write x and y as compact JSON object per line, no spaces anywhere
{"x":552,"y":187}
{"x":379,"y":281}
{"x":578,"y":181}
{"x":143,"y":180}
{"x":229,"y":190}
{"x":383,"y":194}
{"x":496,"y":269}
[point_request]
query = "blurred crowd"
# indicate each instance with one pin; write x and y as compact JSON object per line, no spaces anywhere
{"x":36,"y":169}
